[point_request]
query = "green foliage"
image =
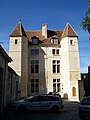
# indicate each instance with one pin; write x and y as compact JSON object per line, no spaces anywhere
{"x":86,"y":20}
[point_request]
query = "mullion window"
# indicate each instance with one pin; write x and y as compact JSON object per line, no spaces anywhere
{"x":34,"y":66}
{"x":56,"y":66}
{"x":34,"y":85}
{"x":56,"y":85}
{"x":55,"y":51}
{"x":34,"y":51}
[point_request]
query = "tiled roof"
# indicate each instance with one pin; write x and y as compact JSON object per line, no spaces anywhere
{"x":69,"y":31}
{"x":38,"y":34}
{"x":19,"y":31}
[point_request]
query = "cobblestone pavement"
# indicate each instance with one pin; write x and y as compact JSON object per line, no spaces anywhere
{"x":70,"y":112}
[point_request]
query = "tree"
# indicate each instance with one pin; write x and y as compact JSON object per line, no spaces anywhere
{"x":85,"y":24}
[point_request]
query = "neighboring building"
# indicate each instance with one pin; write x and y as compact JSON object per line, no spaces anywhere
{"x":81,"y":89}
{"x":46,"y":60}
{"x":85,"y":77}
{"x":4,"y":60}
{"x":12,"y":86}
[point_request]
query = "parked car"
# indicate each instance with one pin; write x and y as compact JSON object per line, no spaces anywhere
{"x":38,"y":102}
{"x":54,"y":93}
{"x":84,"y":108}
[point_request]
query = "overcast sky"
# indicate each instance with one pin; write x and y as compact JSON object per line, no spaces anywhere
{"x":55,"y":13}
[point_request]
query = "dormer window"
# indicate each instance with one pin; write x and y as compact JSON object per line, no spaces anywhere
{"x":55,"y":40}
{"x":34,"y":40}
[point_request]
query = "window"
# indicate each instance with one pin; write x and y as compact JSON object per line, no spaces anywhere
{"x":55,"y":51}
{"x":55,"y":41}
{"x":34,"y":51}
{"x":34,"y":66}
{"x":56,"y":66}
{"x":71,"y":42}
{"x":34,"y":40}
{"x":56,"y":85}
{"x":34,"y":85}
{"x":16,"y":41}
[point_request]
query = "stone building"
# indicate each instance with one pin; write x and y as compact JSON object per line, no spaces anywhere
{"x":46,"y":60}
{"x":12,"y":86}
{"x":85,"y":78}
{"x":4,"y":60}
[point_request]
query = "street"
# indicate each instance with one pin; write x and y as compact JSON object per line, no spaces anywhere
{"x":70,"y":112}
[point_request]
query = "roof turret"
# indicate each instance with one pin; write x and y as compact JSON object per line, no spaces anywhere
{"x":18,"y":31}
{"x":69,"y":31}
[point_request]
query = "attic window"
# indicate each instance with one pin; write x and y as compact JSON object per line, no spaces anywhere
{"x":16,"y":41}
{"x":34,"y":40}
{"x":55,"y":41}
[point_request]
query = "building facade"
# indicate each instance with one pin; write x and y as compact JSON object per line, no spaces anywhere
{"x":4,"y":60}
{"x":85,"y":78}
{"x":46,"y":60}
{"x":13,"y":89}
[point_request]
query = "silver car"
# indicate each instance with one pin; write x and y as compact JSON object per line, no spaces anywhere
{"x":39,"y":102}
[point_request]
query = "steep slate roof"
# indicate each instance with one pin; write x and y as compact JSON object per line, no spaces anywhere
{"x":18,"y":31}
{"x":69,"y":31}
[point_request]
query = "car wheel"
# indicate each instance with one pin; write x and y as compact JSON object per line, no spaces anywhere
{"x":55,"y":109}
{"x":22,"y":109}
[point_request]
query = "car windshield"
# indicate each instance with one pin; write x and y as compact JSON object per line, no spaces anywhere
{"x":26,"y":99}
{"x":86,"y":101}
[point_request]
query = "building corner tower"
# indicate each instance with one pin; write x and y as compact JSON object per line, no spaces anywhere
{"x":70,"y":66}
{"x":18,"y":51}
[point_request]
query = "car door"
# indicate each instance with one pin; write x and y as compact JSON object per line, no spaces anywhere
{"x":39,"y":103}
{"x":35,"y":103}
{"x":45,"y":103}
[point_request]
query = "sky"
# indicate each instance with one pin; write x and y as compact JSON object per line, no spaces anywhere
{"x":55,"y":13}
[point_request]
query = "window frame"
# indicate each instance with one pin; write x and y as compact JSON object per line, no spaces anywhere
{"x":34,"y":66}
{"x":34,"y":51}
{"x":16,"y":41}
{"x":55,"y":41}
{"x":56,"y":88}
{"x":72,"y":42}
{"x":55,"y":66}
{"x":35,"y":84}
{"x":55,"y":51}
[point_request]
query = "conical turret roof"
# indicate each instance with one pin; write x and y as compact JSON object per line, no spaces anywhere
{"x":18,"y":31}
{"x":69,"y":31}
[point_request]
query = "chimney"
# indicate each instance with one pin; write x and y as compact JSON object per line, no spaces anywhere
{"x":44,"y":30}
